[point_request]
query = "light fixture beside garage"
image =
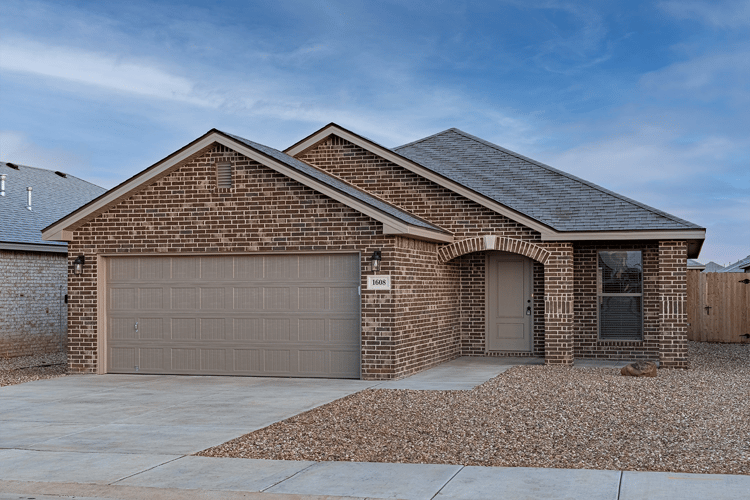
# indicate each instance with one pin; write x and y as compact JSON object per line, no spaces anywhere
{"x":78,"y":264}
{"x":375,"y":260}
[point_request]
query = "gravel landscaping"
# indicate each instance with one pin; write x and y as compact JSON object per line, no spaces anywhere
{"x":695,"y":420}
{"x":27,"y":368}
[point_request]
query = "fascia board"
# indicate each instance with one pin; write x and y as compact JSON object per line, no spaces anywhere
{"x":58,"y":231}
{"x":676,"y":234}
{"x":418,"y":233}
{"x":419,"y":170}
{"x":394,"y":225}
{"x":31,"y":247}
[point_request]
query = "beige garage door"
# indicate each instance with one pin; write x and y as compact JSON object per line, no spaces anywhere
{"x":272,"y":315}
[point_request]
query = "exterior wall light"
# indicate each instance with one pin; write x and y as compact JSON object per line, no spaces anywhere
{"x":78,"y":264}
{"x":375,"y":260}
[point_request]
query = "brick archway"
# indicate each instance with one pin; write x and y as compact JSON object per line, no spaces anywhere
{"x":481,"y":243}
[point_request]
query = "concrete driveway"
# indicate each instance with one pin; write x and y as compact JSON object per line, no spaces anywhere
{"x":147,"y":414}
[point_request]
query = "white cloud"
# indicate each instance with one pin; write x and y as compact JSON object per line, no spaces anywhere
{"x":721,"y":14}
{"x":102,"y":70}
{"x":709,"y":77}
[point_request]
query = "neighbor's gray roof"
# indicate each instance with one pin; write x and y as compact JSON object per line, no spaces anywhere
{"x":337,"y":184}
{"x":737,"y":267}
{"x":694,"y":264}
{"x":713,"y":267}
{"x":52,"y":197}
{"x":550,"y":196}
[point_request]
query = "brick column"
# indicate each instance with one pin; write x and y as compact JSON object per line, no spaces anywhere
{"x":558,"y":305}
{"x":673,"y":295}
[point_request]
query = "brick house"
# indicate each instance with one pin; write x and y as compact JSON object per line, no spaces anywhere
{"x":341,"y":258}
{"x":34,"y":272}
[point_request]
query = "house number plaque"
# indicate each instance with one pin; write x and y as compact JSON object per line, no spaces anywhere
{"x":378,"y":282}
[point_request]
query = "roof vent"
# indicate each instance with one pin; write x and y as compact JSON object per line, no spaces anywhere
{"x":12,"y":165}
{"x":224,"y":175}
{"x":2,"y":185}
{"x":28,"y":198}
{"x":61,"y":174}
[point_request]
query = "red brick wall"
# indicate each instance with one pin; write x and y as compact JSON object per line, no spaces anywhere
{"x":426,"y":321}
{"x":184,"y":212}
{"x":673,"y":289}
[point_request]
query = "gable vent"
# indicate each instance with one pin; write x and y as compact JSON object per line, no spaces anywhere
{"x":224,"y":175}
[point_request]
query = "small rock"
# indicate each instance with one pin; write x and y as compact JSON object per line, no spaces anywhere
{"x":639,"y":369}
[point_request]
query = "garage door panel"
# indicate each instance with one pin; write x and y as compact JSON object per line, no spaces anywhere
{"x":186,"y":268}
{"x":248,"y":328}
{"x":248,"y":299}
{"x":311,"y":298}
{"x":281,"y":267}
{"x":273,"y":315}
{"x":312,"y":330}
{"x":123,"y":298}
{"x":277,"y":362}
{"x":212,"y":329}
{"x":212,"y":298}
{"x":153,"y":328}
{"x":151,"y":298}
{"x":184,"y":328}
{"x":122,"y":328}
{"x":154,"y":269}
{"x":124,"y":269}
{"x":185,"y":360}
{"x":277,"y":298}
{"x":123,"y":359}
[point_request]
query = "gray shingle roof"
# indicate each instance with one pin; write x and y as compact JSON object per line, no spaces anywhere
{"x":694,"y":264}
{"x":337,"y":184}
{"x":52,"y":197}
{"x":554,"y":198}
{"x":737,"y":267}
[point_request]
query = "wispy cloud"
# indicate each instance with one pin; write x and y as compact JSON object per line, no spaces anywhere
{"x":717,"y":13}
{"x":115,"y":73}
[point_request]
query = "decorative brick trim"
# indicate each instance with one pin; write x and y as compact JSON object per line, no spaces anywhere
{"x":490,"y":242}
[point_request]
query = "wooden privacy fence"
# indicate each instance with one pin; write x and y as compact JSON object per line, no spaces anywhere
{"x":718,"y":307}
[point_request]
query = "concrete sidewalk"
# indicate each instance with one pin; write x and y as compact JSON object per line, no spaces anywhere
{"x":118,"y":476}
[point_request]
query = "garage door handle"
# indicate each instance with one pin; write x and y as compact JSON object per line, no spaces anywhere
{"x":136,"y":326}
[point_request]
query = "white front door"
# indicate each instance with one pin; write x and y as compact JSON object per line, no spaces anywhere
{"x":509,"y":306}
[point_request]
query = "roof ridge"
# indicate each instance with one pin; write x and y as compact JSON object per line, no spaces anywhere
{"x":329,"y":174}
{"x":573,"y":177}
{"x":425,"y":138}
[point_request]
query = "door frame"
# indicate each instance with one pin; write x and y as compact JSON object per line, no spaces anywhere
{"x":529,"y":278}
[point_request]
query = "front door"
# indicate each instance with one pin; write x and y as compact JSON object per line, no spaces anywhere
{"x":509,"y":306}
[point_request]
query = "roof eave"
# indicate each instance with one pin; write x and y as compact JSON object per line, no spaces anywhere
{"x":387,"y":154}
{"x":60,"y":230}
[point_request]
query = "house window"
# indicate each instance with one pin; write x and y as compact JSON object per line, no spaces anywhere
{"x":619,"y":283}
{"x":224,"y":175}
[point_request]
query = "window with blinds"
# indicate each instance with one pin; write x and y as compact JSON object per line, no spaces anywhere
{"x":224,"y":175}
{"x":619,"y":283}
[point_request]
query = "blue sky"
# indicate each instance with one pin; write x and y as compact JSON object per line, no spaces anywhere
{"x":649,"y":99}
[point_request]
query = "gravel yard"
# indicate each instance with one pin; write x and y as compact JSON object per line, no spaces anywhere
{"x":27,"y":368}
{"x":695,"y":420}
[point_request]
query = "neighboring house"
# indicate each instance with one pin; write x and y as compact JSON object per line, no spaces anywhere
{"x":342,"y":258}
{"x":741,"y":266}
{"x":694,"y":265}
{"x":713,"y":267}
{"x":34,"y":271}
